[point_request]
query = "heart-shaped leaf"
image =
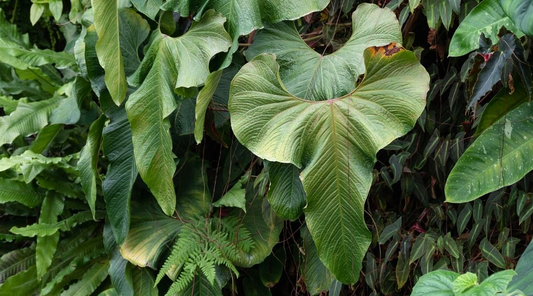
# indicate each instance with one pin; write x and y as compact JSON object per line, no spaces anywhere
{"x":310,"y":75}
{"x":334,"y":141}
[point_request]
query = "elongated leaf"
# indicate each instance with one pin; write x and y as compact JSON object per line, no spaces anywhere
{"x":286,"y":193}
{"x":309,"y":75}
{"x":437,"y":283}
{"x":106,"y":23}
{"x":500,"y":105}
{"x":390,"y":231}
{"x":331,"y":140}
{"x":47,"y":245}
{"x":202,"y":102}
{"x":89,"y":160}
{"x":89,"y":282}
{"x":492,"y":72}
{"x":491,"y":253}
{"x":486,"y":18}
{"x":16,"y":261}
{"x":499,"y":157}
{"x":14,"y":191}
{"x":316,"y":276}
{"x":121,"y":172}
{"x":188,"y":56}
{"x":524,"y":270}
{"x":36,"y":229}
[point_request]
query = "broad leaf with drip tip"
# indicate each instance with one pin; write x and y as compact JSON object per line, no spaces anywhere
{"x":334,"y":141}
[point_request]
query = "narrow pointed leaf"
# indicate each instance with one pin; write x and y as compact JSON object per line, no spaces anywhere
{"x":89,"y":282}
{"x":47,"y":245}
{"x":335,"y":141}
{"x":202,"y":102}
{"x":121,"y":172}
{"x":88,"y":162}
{"x":148,"y":108}
{"x":316,"y":276}
{"x":106,"y":23}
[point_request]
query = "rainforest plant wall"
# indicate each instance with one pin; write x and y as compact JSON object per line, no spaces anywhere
{"x":204,"y":147}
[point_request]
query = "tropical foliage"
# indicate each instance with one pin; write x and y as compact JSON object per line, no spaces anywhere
{"x":191,"y":147}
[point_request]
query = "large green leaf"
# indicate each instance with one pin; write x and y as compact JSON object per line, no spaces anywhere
{"x":88,"y":162}
{"x":334,"y":141}
{"x":121,"y":172}
{"x":309,"y":75}
{"x":519,"y":11}
{"x":106,"y":23}
{"x":244,"y":16}
{"x":437,"y":283}
{"x":150,"y":231}
{"x":499,"y":157}
{"x":523,"y":280}
{"x":488,"y":18}
{"x":170,"y":63}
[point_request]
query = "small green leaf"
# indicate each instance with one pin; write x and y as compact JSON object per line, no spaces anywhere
{"x":390,"y":231}
{"x":464,"y":218}
{"x":235,"y":197}
{"x":202,"y":102}
{"x":316,"y":276}
{"x":451,"y":245}
{"x":491,"y":253}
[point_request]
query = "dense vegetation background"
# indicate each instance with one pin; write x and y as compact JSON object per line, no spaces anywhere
{"x":104,"y":192}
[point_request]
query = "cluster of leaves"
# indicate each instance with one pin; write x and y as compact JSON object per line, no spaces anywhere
{"x":230,"y":146}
